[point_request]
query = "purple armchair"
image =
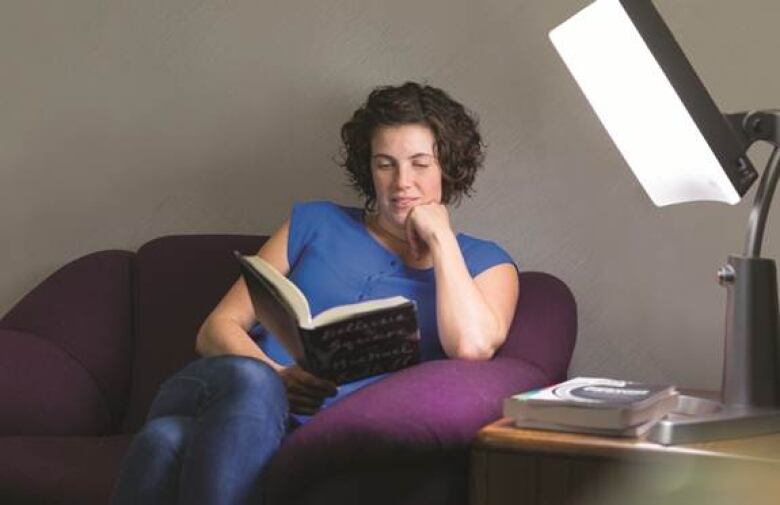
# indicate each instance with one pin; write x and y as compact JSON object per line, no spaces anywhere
{"x":83,"y":353}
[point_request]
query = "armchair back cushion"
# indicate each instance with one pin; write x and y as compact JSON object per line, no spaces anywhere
{"x":179,"y":280}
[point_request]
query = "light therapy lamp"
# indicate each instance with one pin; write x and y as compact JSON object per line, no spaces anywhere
{"x":682,"y":149}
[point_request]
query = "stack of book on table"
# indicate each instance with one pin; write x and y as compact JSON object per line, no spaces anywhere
{"x":593,"y":405}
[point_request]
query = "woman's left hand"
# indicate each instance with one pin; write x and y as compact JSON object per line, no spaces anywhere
{"x":423,"y":224}
{"x":305,"y":391}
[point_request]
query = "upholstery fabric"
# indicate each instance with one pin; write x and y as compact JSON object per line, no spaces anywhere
{"x":544,"y":326}
{"x":84,"y":312}
{"x":32,"y":397}
{"x":59,"y":470}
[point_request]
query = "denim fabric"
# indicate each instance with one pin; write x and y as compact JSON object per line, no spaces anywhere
{"x":209,"y":435}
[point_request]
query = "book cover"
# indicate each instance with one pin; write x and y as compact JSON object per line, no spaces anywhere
{"x":593,"y":402}
{"x":342,"y":344}
{"x":368,"y":344}
{"x":630,"y":432}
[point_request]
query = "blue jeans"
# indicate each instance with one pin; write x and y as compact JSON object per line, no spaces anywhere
{"x":210,"y":433}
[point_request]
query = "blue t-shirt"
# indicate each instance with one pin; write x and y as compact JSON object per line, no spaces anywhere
{"x":334,"y":260}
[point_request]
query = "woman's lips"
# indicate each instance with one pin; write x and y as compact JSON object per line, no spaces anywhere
{"x":403,"y":203}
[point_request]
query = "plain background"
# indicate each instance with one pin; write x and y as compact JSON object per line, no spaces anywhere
{"x":121,"y":121}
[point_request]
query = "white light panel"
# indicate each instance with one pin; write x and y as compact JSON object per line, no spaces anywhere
{"x":639,"y":108}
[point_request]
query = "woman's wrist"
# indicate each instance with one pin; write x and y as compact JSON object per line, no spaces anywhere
{"x":441,"y":242}
{"x":220,"y":337}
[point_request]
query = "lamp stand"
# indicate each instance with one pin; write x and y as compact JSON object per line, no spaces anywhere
{"x":750,"y":394}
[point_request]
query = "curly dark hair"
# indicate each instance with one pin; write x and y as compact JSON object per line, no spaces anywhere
{"x":458,"y":149}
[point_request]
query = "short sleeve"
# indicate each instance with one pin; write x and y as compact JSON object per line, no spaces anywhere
{"x":305,"y":221}
{"x":480,"y":255}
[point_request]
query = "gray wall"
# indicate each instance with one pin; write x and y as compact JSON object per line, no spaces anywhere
{"x":124,"y":120}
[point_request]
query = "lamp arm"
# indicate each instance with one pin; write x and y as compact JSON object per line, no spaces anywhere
{"x":761,"y":203}
{"x":752,"y":127}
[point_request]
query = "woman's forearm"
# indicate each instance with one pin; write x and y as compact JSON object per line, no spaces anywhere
{"x":221,"y":335}
{"x":467,"y":326}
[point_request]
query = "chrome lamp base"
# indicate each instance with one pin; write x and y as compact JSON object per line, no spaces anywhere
{"x":751,"y":365}
{"x":699,"y":419}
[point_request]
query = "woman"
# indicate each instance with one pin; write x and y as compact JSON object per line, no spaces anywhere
{"x":409,"y":151}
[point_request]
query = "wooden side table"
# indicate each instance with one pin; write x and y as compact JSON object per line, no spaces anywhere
{"x":530,"y":467}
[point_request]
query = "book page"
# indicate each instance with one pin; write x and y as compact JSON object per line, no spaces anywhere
{"x":342,"y":312}
{"x":286,"y":288}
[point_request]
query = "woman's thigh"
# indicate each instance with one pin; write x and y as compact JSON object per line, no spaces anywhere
{"x":222,"y":386}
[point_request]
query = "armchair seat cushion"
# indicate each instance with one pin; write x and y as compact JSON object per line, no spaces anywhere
{"x":59,"y":470}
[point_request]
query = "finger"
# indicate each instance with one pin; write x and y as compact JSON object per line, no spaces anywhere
{"x":300,"y":381}
{"x":306,"y":411}
{"x":304,"y":391}
{"x":420,"y":245}
{"x":411,"y":235}
{"x":313,"y":383}
{"x":303,"y":401}
{"x":417,"y":245}
{"x":411,"y":240}
{"x":296,"y":387}
{"x":300,"y":386}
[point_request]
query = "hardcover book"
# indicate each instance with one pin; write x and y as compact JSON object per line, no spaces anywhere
{"x":595,"y":403}
{"x":630,"y":432}
{"x":342,"y":344}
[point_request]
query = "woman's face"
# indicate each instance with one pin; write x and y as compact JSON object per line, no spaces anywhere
{"x":405,"y":171}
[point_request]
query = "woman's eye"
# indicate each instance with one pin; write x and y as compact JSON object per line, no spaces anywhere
{"x":421,"y":165}
{"x":384,"y":165}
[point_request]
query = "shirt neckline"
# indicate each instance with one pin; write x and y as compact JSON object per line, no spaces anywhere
{"x":360,"y":218}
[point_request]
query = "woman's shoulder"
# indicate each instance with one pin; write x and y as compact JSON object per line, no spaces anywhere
{"x":315,"y":207}
{"x":471,"y":243}
{"x":317,"y":220}
{"x":315,"y":216}
{"x":481,"y":254}
{"x":324,"y":211}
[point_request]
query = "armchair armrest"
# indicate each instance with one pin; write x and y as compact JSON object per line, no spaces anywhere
{"x":435,"y":406}
{"x":44,"y":391}
{"x":83,"y":312}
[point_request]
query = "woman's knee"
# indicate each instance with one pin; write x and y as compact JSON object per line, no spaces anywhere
{"x":248,"y":377}
{"x":163,"y":438}
{"x":242,"y":371}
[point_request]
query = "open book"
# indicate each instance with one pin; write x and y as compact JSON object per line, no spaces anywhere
{"x":342,"y":344}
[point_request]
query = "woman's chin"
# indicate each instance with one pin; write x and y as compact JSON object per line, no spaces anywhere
{"x":396,"y":218}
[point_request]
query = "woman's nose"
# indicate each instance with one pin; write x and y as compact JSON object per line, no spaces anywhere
{"x":403,"y":176}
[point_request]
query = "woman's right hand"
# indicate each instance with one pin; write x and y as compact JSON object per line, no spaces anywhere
{"x":305,"y":392}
